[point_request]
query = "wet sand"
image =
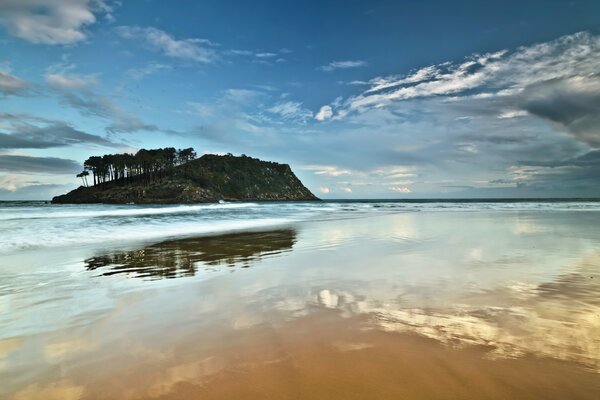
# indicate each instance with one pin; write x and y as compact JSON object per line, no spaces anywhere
{"x":321,"y":356}
{"x":395,"y":306}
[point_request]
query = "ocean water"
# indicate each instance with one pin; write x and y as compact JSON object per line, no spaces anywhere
{"x":37,"y":225}
{"x":336,"y":300}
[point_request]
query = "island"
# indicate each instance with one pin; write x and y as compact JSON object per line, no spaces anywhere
{"x":170,"y":176}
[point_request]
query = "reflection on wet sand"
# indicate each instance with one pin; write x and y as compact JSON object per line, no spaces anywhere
{"x":178,"y":258}
{"x":324,"y":357}
{"x":318,"y":356}
{"x":399,"y":306}
{"x":558,"y":319}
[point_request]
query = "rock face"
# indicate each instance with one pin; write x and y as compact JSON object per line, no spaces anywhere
{"x":208,"y":179}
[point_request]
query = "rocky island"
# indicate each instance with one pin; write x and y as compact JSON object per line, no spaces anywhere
{"x":166,"y":176}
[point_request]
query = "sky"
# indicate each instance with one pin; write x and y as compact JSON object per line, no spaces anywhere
{"x":364,"y":99}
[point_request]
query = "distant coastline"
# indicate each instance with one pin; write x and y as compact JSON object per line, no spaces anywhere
{"x":419,"y":200}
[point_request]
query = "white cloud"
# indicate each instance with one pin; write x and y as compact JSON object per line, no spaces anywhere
{"x":292,"y":111}
{"x":50,"y":22}
{"x":394,"y":172}
{"x":355,"y":83}
{"x":260,"y":57}
{"x":70,"y":81}
{"x":400,"y":189}
{"x":60,"y":76}
{"x":324,"y":189}
{"x":265,"y":55}
{"x":201,"y":109}
{"x":327,"y":170}
{"x":493,"y":75}
{"x":11,"y":182}
{"x":512,"y":114}
{"x":11,"y":85}
{"x":347,"y":190}
{"x":197,"y":50}
{"x":140,"y":73}
{"x":235,"y":52}
{"x":324,"y":113}
{"x":332,"y":66}
{"x":241,"y":96}
{"x":418,"y":76}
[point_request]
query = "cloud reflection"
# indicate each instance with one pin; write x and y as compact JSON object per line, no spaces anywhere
{"x":559,"y":319}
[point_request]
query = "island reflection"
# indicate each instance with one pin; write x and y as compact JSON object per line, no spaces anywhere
{"x":184,"y":257}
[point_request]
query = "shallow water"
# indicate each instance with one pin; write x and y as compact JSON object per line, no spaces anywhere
{"x":298,"y":300}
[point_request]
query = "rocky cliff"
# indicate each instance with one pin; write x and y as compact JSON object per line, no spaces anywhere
{"x":209,"y":178}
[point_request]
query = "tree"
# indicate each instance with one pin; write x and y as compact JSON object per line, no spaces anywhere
{"x":92,"y":164}
{"x":186,"y":155}
{"x":146,"y":164}
{"x":83,"y":175}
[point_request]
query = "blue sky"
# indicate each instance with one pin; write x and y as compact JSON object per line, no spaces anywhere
{"x":362,"y":99}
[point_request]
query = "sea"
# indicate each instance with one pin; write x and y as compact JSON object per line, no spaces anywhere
{"x":30,"y":225}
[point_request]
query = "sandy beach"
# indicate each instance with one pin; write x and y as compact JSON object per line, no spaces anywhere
{"x":381,"y":305}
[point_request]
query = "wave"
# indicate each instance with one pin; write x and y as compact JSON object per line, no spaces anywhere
{"x":45,"y":226}
{"x":59,"y":236}
{"x":123,"y":212}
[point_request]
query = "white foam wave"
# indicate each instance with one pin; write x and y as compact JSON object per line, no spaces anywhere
{"x":59,"y":237}
{"x":123,"y":212}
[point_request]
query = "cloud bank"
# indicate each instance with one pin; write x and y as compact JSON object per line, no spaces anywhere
{"x":58,"y":22}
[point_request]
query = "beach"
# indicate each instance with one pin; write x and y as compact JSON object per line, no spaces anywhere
{"x":335,"y":300}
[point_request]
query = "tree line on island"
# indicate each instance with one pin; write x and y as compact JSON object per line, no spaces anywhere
{"x":146,"y":165}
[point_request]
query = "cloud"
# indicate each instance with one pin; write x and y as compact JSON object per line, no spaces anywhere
{"x":589,"y":159}
{"x":423,"y":74}
{"x":70,"y":81}
{"x":324,"y":189}
{"x":400,"y":189}
{"x":241,"y":96}
{"x":49,"y":165}
{"x":502,"y":74}
{"x":470,"y":124}
{"x":75,"y":90}
{"x":394,"y":171}
{"x":442,"y":132}
{"x":11,"y":85}
{"x":240,"y":52}
{"x":61,"y":76}
{"x":140,"y":73}
{"x":265,"y":55}
{"x":324,"y":113}
{"x":196,"y":50}
{"x":512,"y":114}
{"x":572,"y":102}
{"x":327,"y":170}
{"x":50,"y":22}
{"x":29,"y":132}
{"x":332,"y":66}
{"x":291,"y":111}
{"x":499,"y":139}
{"x":11,"y":190}
{"x":120,"y":120}
{"x":260,"y":57}
{"x":572,"y":177}
{"x":234,"y":116}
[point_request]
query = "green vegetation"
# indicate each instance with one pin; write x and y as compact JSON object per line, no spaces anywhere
{"x":147,"y":164}
{"x":177,"y":176}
